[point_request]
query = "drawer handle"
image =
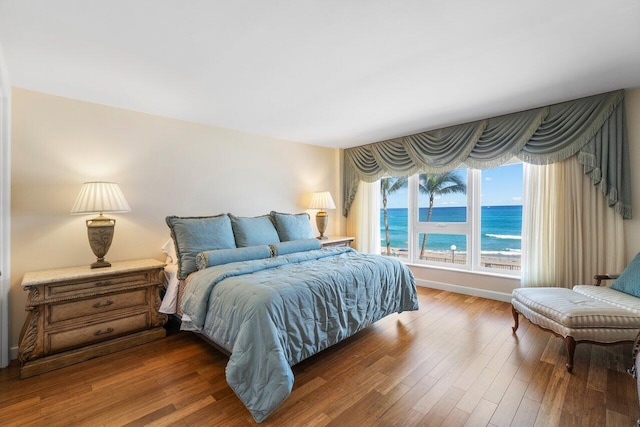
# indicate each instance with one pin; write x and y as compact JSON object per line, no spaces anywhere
{"x":105,"y":283}
{"x":100,"y":305}
{"x":101,"y":332}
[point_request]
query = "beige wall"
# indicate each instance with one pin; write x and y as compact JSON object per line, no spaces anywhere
{"x":163,"y":166}
{"x":501,"y":287}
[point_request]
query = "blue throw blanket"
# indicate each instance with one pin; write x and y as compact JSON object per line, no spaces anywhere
{"x":273,"y":313}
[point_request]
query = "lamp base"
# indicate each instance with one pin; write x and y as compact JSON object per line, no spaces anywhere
{"x":322,"y":218}
{"x":100,"y":232}
{"x":100,"y":263}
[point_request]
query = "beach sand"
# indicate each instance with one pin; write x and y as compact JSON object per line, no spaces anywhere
{"x":460,"y":258}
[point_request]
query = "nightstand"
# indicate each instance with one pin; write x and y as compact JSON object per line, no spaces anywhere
{"x":79,"y":313}
{"x":337,"y":241}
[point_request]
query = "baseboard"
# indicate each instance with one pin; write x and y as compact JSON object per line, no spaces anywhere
{"x":13,"y":353}
{"x":465,"y":290}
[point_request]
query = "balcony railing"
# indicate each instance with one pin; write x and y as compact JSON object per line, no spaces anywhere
{"x":495,"y":263}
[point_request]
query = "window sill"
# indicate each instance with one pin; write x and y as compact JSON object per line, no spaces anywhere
{"x":464,"y":270}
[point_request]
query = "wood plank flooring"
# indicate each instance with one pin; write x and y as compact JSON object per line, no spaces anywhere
{"x":455,"y":362}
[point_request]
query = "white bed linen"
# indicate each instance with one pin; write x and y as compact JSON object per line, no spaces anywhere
{"x":170,"y":300}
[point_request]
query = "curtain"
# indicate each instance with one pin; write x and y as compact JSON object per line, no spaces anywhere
{"x":364,"y":221}
{"x":569,"y":233}
{"x":594,"y":128}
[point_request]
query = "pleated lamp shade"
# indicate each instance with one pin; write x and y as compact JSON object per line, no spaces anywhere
{"x":322,"y":200}
{"x":100,"y":197}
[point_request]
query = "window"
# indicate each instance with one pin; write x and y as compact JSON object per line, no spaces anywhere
{"x":501,"y":218}
{"x":466,"y":218}
{"x":394,"y":216}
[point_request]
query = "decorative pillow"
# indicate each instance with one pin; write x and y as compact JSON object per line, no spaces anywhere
{"x":254,"y":231}
{"x":629,"y":280}
{"x":284,"y":248}
{"x":292,"y":226}
{"x":193,"y":235}
{"x":225,"y":256}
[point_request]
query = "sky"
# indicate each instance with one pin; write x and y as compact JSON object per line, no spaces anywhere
{"x":501,"y":186}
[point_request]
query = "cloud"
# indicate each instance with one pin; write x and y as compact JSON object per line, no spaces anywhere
{"x":517,"y":198}
{"x":488,"y":178}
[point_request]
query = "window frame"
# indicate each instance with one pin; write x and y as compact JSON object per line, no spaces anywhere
{"x":471,"y":228}
{"x":416,"y":227}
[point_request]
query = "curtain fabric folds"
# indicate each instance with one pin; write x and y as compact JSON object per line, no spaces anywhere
{"x":594,"y":128}
{"x":569,"y":233}
{"x":364,"y":221}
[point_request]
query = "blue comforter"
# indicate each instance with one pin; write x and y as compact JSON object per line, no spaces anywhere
{"x":273,"y":313}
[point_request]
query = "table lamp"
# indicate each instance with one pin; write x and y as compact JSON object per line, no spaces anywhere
{"x":322,"y":200}
{"x":100,"y":197}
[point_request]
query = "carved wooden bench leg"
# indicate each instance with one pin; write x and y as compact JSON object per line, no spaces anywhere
{"x":571,"y":349}
{"x":515,"y":319}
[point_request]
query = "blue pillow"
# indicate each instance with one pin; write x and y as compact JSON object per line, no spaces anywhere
{"x":193,"y":235}
{"x":225,"y":256}
{"x":629,"y":280}
{"x":292,"y":227}
{"x":254,"y":231}
{"x":292,"y":246}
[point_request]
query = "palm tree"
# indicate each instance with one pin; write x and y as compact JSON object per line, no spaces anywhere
{"x":389,"y":186}
{"x":439,"y":185}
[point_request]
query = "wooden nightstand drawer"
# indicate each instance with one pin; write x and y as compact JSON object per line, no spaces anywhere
{"x":94,"y":306}
{"x":85,"y":286}
{"x":68,"y":339}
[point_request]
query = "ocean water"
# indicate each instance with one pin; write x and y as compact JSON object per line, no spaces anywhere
{"x":501,"y":229}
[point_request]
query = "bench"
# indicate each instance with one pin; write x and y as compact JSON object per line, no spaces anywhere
{"x":587,"y":313}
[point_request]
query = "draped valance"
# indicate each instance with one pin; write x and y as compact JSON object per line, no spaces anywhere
{"x":593,"y":128}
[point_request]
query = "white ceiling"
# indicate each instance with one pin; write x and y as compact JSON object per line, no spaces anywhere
{"x":335,"y":73}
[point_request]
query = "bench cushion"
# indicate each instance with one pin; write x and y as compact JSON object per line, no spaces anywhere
{"x":575,"y":310}
{"x":611,"y":296}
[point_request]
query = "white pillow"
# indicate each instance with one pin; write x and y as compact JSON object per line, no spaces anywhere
{"x":170,"y":251}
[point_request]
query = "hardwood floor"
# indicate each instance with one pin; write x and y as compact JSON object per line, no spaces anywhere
{"x":454,"y":362}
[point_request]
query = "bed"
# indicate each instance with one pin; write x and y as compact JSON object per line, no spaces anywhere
{"x":270,"y":306}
